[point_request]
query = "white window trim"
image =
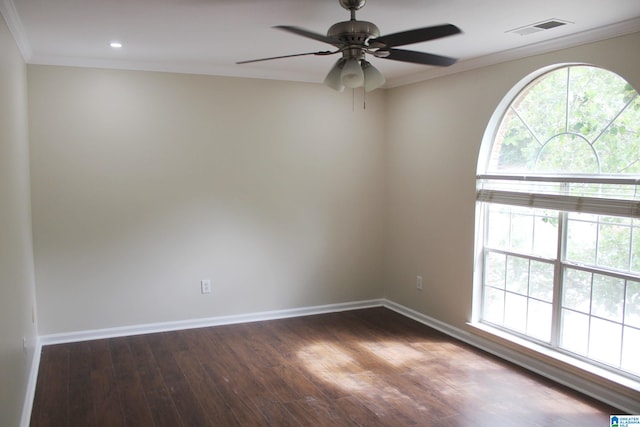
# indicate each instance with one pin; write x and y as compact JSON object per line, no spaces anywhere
{"x":617,"y":207}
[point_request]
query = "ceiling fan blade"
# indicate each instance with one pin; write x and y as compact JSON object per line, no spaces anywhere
{"x":309,"y":34}
{"x":419,"y":57}
{"x":323,"y":52}
{"x":416,"y":36}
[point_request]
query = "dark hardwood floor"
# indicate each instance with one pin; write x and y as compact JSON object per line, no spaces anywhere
{"x":365,"y":367}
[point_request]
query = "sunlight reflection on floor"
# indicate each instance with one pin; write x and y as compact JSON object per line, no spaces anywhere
{"x":342,"y":367}
{"x":394,"y":353}
{"x":390,"y":374}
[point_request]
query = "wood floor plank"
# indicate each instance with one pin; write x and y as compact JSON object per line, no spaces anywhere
{"x":275,"y":413}
{"x":82,"y":409}
{"x":299,"y":385}
{"x":264,"y":344}
{"x":248,"y":414}
{"x":205,"y":390}
{"x":159,"y":399}
{"x":369,"y":367}
{"x":53,"y":399}
{"x":209,"y":350}
{"x":322,"y":411}
{"x":231,"y":372}
{"x":305,"y":410}
{"x":132,"y":395}
{"x":103,"y":386}
{"x":280,"y":328}
{"x":165,"y":346}
{"x":105,"y":396}
{"x":40,"y":393}
{"x":358,"y":413}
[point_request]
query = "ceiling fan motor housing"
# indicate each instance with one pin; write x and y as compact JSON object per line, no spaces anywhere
{"x":354,"y":32}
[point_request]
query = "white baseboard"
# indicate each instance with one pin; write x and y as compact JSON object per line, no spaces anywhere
{"x":203,"y":323}
{"x":629,"y":403}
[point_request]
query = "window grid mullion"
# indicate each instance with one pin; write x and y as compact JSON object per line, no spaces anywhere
{"x":526,"y":314}
{"x":624,"y":308}
{"x":521,"y":255}
{"x":606,"y":128}
{"x":558,"y":279}
{"x":504,"y":290}
{"x":568,"y":92}
{"x":596,"y":261}
{"x":631,"y":239}
{"x":602,"y":271}
{"x":590,"y":313}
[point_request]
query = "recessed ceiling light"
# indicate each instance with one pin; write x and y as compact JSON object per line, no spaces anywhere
{"x":115,"y":45}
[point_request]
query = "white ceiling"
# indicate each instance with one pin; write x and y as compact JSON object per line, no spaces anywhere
{"x":209,"y":36}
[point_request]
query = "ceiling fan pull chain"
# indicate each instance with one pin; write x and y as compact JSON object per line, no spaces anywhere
{"x":364,"y":99}
{"x":353,"y":100}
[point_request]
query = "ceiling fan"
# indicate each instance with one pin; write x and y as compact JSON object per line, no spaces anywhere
{"x":354,"y":39}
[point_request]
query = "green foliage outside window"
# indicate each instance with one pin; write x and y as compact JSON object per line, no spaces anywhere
{"x":574,"y":120}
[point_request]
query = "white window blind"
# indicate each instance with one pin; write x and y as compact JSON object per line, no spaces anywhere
{"x":616,"y":196}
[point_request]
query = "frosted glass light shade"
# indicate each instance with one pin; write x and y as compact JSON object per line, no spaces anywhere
{"x":352,"y":74}
{"x":373,"y":78}
{"x":334,"y":78}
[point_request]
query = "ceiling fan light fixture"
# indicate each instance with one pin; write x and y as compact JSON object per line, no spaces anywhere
{"x":334,"y":78}
{"x":373,"y":78}
{"x":352,"y":75}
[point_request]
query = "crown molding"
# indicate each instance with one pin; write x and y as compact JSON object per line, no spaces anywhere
{"x":568,"y":41}
{"x":10,"y":15}
{"x":170,"y":67}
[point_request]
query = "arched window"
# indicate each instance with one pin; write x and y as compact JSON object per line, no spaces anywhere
{"x":558,"y":230}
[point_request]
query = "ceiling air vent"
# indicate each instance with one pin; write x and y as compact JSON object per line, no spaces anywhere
{"x":539,"y":26}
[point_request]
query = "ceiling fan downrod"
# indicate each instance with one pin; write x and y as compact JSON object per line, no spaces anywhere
{"x":352,"y":4}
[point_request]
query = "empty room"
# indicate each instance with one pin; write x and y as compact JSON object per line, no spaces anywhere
{"x":280,"y":212}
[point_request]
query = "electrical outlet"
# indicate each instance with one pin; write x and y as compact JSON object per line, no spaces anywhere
{"x":205,"y":286}
{"x":419,"y":283}
{"x":24,"y":345}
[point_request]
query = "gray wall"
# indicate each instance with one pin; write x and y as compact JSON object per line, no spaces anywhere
{"x":17,"y":303}
{"x":145,"y":183}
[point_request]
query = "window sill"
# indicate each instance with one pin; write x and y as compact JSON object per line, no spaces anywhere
{"x":615,"y":383}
